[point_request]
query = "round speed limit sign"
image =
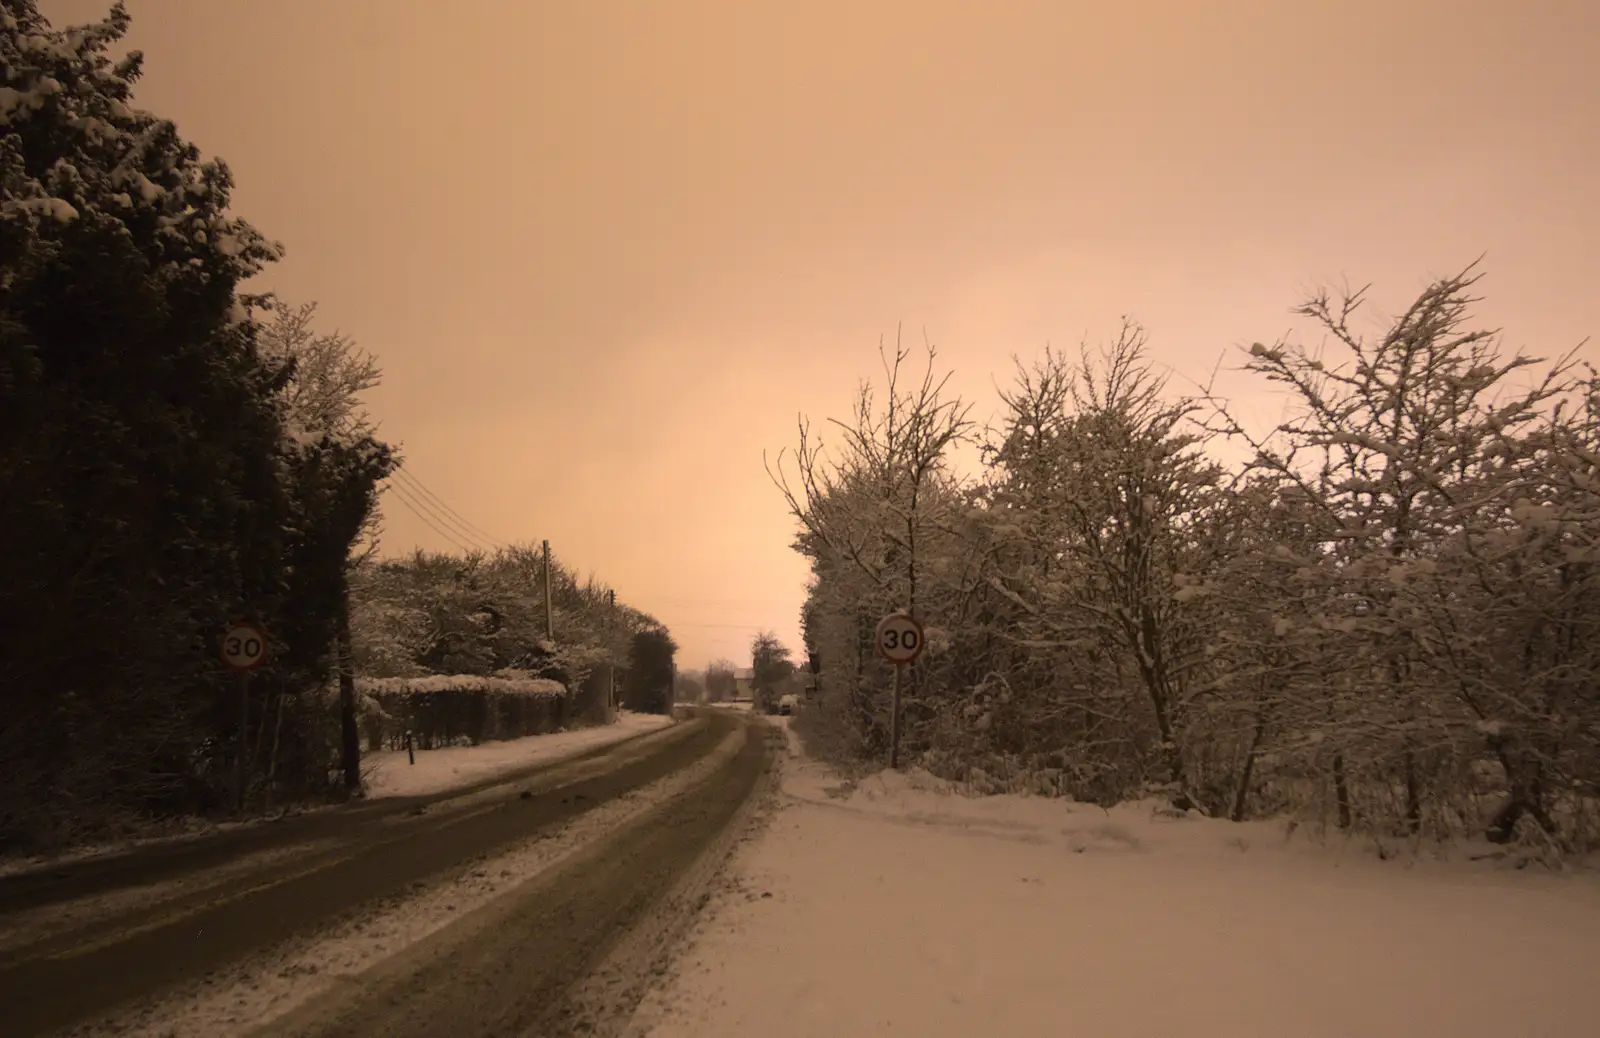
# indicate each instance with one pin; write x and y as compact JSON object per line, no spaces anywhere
{"x":244,"y":646}
{"x":899,"y":638}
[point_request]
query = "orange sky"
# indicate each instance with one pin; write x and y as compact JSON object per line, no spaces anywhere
{"x":607,"y":251}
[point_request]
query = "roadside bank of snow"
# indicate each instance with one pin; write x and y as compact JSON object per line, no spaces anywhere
{"x":388,"y":774}
{"x":177,"y":831}
{"x":40,"y":923}
{"x":901,"y":907}
{"x":392,"y":775}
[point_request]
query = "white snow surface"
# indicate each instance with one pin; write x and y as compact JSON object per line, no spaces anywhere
{"x":391,"y":775}
{"x":907,"y":908}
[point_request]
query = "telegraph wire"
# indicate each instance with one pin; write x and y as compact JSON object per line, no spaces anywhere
{"x":434,"y":510}
{"x":417,"y":485}
{"x":439,"y":510}
{"x":467,"y":536}
{"x":439,"y":523}
{"x":435,"y":521}
{"x":426,"y":519}
{"x":429,"y":523}
{"x":436,"y":515}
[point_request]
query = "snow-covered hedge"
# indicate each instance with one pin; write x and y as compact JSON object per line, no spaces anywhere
{"x":441,"y":709}
{"x":507,"y":683}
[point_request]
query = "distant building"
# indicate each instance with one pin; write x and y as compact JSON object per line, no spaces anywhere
{"x":744,"y":682}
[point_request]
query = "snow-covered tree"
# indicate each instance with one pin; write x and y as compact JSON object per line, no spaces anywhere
{"x":140,"y":475}
{"x":721,"y":682}
{"x":1392,"y":603}
{"x":440,"y":614}
{"x":327,"y":374}
{"x":1420,"y":454}
{"x":875,"y":524}
{"x":771,"y":668}
{"x":1114,"y":489}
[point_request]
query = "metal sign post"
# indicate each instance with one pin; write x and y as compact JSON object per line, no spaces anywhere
{"x":900,"y":640}
{"x":243,"y":648}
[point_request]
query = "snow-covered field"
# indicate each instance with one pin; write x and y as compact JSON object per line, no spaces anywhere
{"x":392,"y":775}
{"x":902,"y":908}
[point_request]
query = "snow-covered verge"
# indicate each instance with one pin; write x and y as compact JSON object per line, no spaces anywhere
{"x":389,"y":774}
{"x":178,"y":830}
{"x":281,"y":980}
{"x":58,"y":917}
{"x":392,"y":775}
{"x":902,"y":907}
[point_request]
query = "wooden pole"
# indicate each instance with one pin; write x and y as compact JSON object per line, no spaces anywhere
{"x":549,"y":614}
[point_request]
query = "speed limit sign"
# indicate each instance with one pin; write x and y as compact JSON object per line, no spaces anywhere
{"x":899,"y":638}
{"x":244,"y":646}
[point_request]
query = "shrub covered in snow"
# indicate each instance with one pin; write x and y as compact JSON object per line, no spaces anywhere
{"x":434,"y":613}
{"x":1395,"y":601}
{"x":440,"y":709}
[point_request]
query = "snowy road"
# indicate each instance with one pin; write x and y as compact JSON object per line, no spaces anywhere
{"x":479,"y":910}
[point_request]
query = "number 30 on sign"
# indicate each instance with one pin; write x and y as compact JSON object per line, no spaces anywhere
{"x":244,"y":646}
{"x":899,"y":638}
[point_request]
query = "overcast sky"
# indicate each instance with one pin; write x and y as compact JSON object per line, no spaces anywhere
{"x":608,"y":251}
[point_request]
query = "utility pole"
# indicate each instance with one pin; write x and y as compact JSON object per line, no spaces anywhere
{"x":611,"y":669}
{"x":549,"y":614}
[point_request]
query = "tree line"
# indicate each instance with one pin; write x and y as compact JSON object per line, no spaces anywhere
{"x":484,"y":615}
{"x":177,"y":453}
{"x":1384,"y":619}
{"x":773,"y":675}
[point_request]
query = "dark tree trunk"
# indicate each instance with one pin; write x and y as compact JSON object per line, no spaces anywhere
{"x":1241,"y":795}
{"x":1413,"y":794}
{"x":1158,"y":686}
{"x":1341,"y":791}
{"x":1527,"y":798}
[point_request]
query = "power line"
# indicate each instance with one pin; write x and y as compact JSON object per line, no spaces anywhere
{"x":437,"y":522}
{"x":735,"y":603}
{"x":467,"y":536}
{"x":414,"y":510}
{"x":415,"y":507}
{"x":438,"y":511}
{"x":455,"y":531}
{"x":418,"y":485}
